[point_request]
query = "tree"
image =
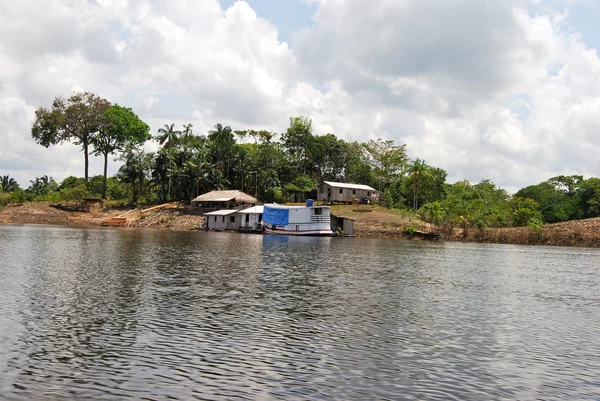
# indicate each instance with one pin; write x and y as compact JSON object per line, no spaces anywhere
{"x":8,"y":184}
{"x":300,"y":142}
{"x":223,"y":141}
{"x":387,"y":159}
{"x":75,"y":119}
{"x":331,"y":160}
{"x":133,"y":172}
{"x":120,"y":127}
{"x":419,"y":173}
{"x":168,"y":136}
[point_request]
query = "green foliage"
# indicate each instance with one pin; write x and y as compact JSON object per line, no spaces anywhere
{"x":537,"y":225}
{"x":387,"y":159}
{"x":17,"y":196}
{"x":41,"y":187}
{"x":8,"y":184}
{"x":75,"y":193}
{"x":76,"y":119}
{"x":410,"y":229}
{"x":301,"y":144}
{"x":432,"y":213}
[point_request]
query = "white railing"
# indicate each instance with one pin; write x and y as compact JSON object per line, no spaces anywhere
{"x":319,"y":219}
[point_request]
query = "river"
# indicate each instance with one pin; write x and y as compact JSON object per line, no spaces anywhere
{"x":112,"y":314}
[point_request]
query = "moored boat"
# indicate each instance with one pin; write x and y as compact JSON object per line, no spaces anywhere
{"x":296,"y":220}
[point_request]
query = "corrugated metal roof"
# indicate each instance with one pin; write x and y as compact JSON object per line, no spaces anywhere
{"x":253,"y":209}
{"x":223,"y":212}
{"x":349,"y":186}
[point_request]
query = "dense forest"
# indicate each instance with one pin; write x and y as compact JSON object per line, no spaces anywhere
{"x":276,"y":167}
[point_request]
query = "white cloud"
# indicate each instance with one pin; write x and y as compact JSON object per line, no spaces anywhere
{"x":485,"y":89}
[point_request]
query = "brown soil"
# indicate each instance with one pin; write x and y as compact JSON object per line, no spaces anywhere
{"x":42,"y":213}
{"x":381,"y":223}
{"x":569,"y":233}
{"x":376,"y":222}
{"x":368,"y":223}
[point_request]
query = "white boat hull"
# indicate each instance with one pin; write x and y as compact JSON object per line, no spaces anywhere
{"x":298,"y":229}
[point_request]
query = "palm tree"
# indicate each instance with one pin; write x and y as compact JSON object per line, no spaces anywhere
{"x":8,"y":184}
{"x":223,"y":141}
{"x":419,"y":172}
{"x":187,"y":132}
{"x":133,"y":172}
{"x":169,"y":136}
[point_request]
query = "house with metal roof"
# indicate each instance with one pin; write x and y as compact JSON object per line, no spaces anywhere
{"x":226,"y":219}
{"x":340,"y":192}
{"x":251,"y":218}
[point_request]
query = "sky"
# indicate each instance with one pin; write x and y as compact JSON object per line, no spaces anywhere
{"x":507,"y":90}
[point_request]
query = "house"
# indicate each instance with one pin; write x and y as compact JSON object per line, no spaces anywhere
{"x":329,"y":191}
{"x":251,"y":218}
{"x":226,"y":219}
{"x":224,"y":199}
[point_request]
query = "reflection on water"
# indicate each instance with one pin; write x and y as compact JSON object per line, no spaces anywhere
{"x":110,"y":314}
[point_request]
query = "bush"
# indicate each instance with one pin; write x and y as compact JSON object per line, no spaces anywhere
{"x":537,"y":225}
{"x":18,"y":196}
{"x":523,"y":216}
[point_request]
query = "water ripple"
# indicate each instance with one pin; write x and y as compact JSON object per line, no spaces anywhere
{"x":117,"y":314}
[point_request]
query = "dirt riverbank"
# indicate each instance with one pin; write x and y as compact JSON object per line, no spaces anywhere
{"x":368,"y":223}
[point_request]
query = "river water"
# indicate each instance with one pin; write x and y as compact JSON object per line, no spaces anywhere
{"x":112,"y":314}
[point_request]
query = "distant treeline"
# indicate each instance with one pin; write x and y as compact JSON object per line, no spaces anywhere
{"x":286,"y":167}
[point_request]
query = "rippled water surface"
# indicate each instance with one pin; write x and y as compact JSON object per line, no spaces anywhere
{"x":112,"y":314}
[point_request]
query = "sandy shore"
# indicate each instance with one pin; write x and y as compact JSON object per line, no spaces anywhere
{"x":369,"y":223}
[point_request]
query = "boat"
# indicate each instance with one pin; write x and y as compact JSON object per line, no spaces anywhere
{"x":296,"y":220}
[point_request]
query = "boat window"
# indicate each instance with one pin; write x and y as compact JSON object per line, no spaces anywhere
{"x":260,"y":217}
{"x":318,"y":210}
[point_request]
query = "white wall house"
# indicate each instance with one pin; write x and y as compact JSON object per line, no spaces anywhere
{"x":251,"y":218}
{"x":227,"y":219}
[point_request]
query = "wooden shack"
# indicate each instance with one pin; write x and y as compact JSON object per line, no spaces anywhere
{"x":339,"y":192}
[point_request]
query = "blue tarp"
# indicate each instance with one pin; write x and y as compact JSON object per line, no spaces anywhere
{"x":276,"y":216}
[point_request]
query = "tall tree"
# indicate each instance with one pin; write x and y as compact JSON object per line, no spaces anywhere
{"x":133,"y":172}
{"x":387,"y":159}
{"x":300,"y":142}
{"x":75,"y":119}
{"x":120,"y":127}
{"x":419,"y":173}
{"x":222,"y":140}
{"x":168,"y":136}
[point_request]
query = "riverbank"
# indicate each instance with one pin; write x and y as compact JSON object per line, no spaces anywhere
{"x":383,"y":223}
{"x":369,"y":222}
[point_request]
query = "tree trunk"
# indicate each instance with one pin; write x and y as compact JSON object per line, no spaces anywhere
{"x":87,"y":158}
{"x":105,"y":172}
{"x":135,"y":192}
